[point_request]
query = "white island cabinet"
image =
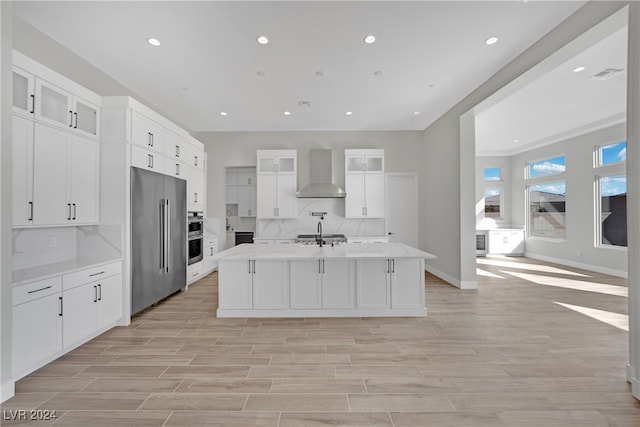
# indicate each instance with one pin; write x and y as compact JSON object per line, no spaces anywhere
{"x":347,"y":280}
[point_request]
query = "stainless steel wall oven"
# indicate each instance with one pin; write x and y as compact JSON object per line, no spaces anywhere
{"x":195,"y":237}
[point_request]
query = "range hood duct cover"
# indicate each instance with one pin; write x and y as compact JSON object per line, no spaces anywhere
{"x":320,"y":171}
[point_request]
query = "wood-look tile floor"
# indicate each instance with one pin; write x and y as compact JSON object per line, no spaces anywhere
{"x":536,"y":345}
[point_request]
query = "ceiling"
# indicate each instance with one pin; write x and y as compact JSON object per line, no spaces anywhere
{"x":427,"y":57}
{"x":560,"y":103}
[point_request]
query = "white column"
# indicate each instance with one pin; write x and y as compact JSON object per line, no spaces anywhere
{"x":633,"y":195}
{"x":467,"y":233}
{"x":6,"y":110}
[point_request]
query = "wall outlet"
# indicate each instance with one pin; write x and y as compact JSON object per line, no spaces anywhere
{"x":53,"y":242}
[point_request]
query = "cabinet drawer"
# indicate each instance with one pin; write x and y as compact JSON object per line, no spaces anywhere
{"x":35,"y":290}
{"x":93,"y":274}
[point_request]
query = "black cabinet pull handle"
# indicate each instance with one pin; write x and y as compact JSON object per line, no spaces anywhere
{"x":60,"y":299}
{"x":69,"y":216}
{"x":97,"y":274}
{"x":70,"y":118}
{"x":33,"y":104}
{"x":75,"y":210}
{"x":30,"y":211}
{"x":99,"y":292}
{"x":38,"y":290}
{"x":76,"y":116}
{"x":95,"y":293}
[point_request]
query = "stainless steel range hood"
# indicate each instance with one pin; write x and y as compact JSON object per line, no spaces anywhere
{"x":320,"y":171}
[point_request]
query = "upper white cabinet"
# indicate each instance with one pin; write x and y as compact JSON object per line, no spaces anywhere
{"x":147,"y":133}
{"x":65,"y":180}
{"x":276,"y":184}
{"x":364,"y":182}
{"x":175,"y":147}
{"x":59,"y":107}
{"x":195,"y":189}
{"x":24,"y":95}
{"x":22,"y":171}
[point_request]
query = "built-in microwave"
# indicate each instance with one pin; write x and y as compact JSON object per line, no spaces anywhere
{"x":195,"y":224}
{"x":195,"y":228}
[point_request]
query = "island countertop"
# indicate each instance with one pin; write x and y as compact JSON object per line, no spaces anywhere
{"x":344,"y":250}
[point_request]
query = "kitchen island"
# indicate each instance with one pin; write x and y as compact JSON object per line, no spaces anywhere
{"x":346,"y":280}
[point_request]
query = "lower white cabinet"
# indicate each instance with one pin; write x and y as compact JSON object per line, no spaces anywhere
{"x":373,"y":283}
{"x":322,"y":283}
{"x":390,"y":283}
{"x":90,"y":307}
{"x":210,"y":249}
{"x":257,"y":284}
{"x":240,"y":295}
{"x":36,"y":324}
{"x":506,"y":242}
{"x":52,"y":316}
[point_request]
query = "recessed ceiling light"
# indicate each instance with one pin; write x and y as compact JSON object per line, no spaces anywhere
{"x":348,"y":113}
{"x":262,"y":40}
{"x":287,"y":113}
{"x":416,"y":113}
{"x":223,"y":113}
{"x":516,"y":140}
{"x":578,"y":69}
{"x":153,"y":42}
{"x":490,"y":41}
{"x":370,"y":39}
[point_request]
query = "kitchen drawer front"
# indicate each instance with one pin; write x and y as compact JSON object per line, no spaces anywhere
{"x":93,"y":274}
{"x":35,"y":290}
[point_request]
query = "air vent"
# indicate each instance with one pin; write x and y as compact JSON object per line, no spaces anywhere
{"x":607,"y":73}
{"x":304,"y":103}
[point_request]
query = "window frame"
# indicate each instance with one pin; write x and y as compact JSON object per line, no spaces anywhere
{"x":527,"y":168}
{"x":597,"y":155}
{"x":500,"y":188}
{"x":529,"y":226}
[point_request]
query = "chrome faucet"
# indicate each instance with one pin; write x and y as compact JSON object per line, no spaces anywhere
{"x":319,"y":238}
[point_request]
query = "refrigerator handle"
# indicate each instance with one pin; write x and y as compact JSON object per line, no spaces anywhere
{"x":167,"y":236}
{"x":161,"y":231}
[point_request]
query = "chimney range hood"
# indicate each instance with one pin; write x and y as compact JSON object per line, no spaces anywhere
{"x":320,"y":171}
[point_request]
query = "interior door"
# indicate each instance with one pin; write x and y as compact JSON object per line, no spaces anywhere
{"x":402,"y":208}
{"x":147,"y":285}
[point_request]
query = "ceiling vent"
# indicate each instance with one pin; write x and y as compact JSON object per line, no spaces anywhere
{"x":607,"y":73}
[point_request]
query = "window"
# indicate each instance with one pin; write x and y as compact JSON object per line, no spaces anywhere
{"x":613,"y":210}
{"x":492,"y":203}
{"x":547,"y":214}
{"x":546,"y":167}
{"x":492,"y":174}
{"x":612,"y":153}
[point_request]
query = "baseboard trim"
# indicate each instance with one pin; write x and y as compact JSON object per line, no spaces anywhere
{"x":460,"y":284}
{"x":589,"y":267}
{"x":7,"y":391}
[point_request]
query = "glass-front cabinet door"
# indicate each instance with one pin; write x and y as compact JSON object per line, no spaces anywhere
{"x":286,"y":164}
{"x":266,"y":164}
{"x":374,"y":163}
{"x":86,"y":117}
{"x":53,"y":105}
{"x":23,"y":92}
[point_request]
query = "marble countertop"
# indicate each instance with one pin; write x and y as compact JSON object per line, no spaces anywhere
{"x":299,"y":251}
{"x":47,"y":271}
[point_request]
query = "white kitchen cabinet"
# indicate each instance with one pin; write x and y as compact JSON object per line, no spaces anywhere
{"x":364,"y":183}
{"x":231,"y":179}
{"x":147,"y":133}
{"x":270,"y":284}
{"x":195,"y":189}
{"x":306,"y":283}
{"x":247,"y":202}
{"x":373,"y":284}
{"x":59,"y":107}
{"x":65,"y":183}
{"x":210,"y":249}
{"x":146,"y":159}
{"x":175,"y":147}
{"x":239,"y":296}
{"x":406,"y":278}
{"x":36,"y":324}
{"x":506,"y":242}
{"x":23,"y":92}
{"x":174,"y":168}
{"x":195,"y":154}
{"x":322,"y":284}
{"x":246,"y":178}
{"x":276,"y":184}
{"x":91,"y":306}
{"x":22,"y":171}
{"x":231,"y":194}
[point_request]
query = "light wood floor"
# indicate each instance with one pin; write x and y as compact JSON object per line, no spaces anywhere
{"x":509,"y":354}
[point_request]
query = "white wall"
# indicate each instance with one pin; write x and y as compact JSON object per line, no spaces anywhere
{"x":578,"y":249}
{"x":6,"y":385}
{"x":446,"y":184}
{"x":403,"y":153}
{"x":504,"y":163}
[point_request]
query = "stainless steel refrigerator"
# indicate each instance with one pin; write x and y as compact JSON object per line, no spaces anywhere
{"x":158,"y":237}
